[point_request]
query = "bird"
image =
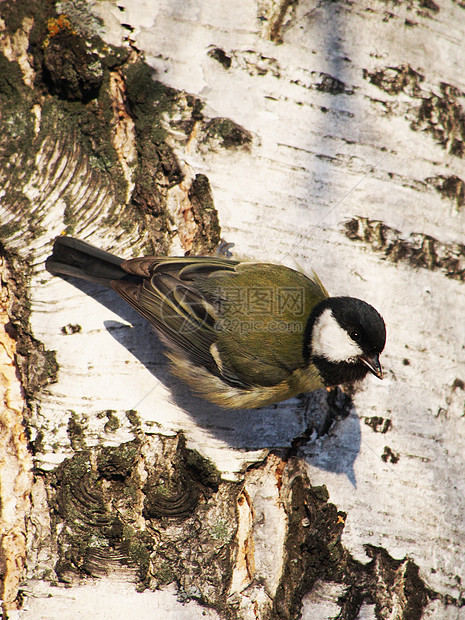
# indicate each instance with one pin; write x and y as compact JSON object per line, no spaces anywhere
{"x":241,"y":334}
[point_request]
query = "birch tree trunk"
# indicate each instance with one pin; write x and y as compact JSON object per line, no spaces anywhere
{"x":326,"y":136}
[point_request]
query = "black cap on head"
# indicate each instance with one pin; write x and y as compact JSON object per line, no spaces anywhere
{"x":361,"y":320}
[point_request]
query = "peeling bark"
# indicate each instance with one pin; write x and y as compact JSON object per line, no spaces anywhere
{"x":417,"y":250}
{"x":15,"y":459}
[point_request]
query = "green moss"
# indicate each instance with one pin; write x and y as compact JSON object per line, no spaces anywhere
{"x":38,"y":365}
{"x":92,"y":122}
{"x":51,"y":365}
{"x":20,"y":204}
{"x":138,"y":546}
{"x":149,"y":100}
{"x":113,"y":423}
{"x":229,"y":133}
{"x":115,"y":57}
{"x":201,"y":469}
{"x":11,"y":79}
{"x":164,"y":574}
{"x":10,"y":229}
{"x":17,"y":136}
{"x":69,"y":217}
{"x":37,"y":445}
{"x":142,"y":89}
{"x":76,"y":428}
{"x":221,"y":531}
{"x":76,"y":467}
{"x":133,"y":417}
{"x":14,"y":13}
{"x":208,"y":234}
{"x":116,"y":463}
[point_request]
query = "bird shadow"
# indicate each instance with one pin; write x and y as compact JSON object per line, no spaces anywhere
{"x":322,"y":426}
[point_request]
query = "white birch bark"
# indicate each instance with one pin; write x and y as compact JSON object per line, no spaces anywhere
{"x":355,"y":111}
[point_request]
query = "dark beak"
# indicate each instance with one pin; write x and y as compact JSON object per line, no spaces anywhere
{"x":372,"y":361}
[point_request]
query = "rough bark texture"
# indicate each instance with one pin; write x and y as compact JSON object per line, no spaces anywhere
{"x":330,"y":132}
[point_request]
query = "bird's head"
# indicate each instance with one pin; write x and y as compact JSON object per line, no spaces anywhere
{"x":347,"y":336}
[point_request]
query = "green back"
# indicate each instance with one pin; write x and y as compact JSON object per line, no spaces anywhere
{"x":264,"y":310}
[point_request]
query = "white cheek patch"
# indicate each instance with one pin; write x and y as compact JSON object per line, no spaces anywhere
{"x":331,"y":341}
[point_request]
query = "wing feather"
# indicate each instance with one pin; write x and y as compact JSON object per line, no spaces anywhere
{"x":181,"y":313}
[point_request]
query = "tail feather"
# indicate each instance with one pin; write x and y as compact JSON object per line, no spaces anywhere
{"x":73,"y":257}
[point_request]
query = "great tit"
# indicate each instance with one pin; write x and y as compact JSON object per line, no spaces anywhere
{"x":241,"y":334}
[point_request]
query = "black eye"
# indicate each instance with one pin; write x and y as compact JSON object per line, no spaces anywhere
{"x":355,"y":335}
